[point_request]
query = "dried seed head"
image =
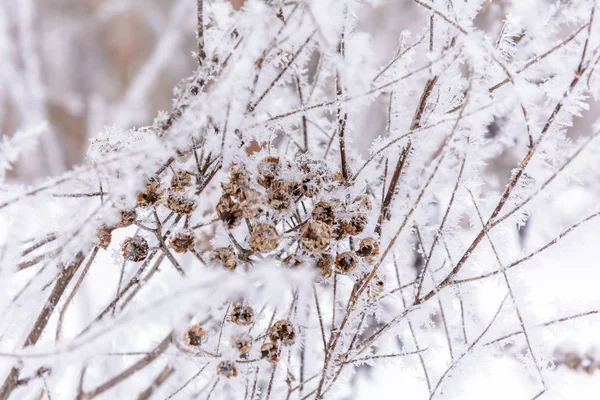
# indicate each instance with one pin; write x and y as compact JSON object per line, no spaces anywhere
{"x":264,"y":238}
{"x":242,"y":315}
{"x":250,"y":203}
{"x":362,"y":203}
{"x":325,"y":265}
{"x":355,"y":225}
{"x":128,"y":217}
{"x":194,"y":336}
{"x":151,"y":195}
{"x":323,"y":212}
{"x":104,"y":236}
{"x":227,"y":368}
{"x":180,"y":180}
{"x":283,"y":331}
{"x":268,"y":169}
{"x":135,"y":248}
{"x":237,"y":183}
{"x":368,"y":248}
{"x":229,"y":212}
{"x":278,"y":194}
{"x":242,"y":342}
{"x":375,"y":288}
{"x":182,"y":241}
{"x":346,"y":262}
{"x":180,"y":204}
{"x":270,"y":351}
{"x":225,"y":256}
{"x":292,"y":261}
{"x":315,"y":236}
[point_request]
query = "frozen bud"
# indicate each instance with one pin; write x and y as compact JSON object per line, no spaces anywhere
{"x":182,"y":241}
{"x":264,"y":238}
{"x":375,"y":288}
{"x":315,"y":236}
{"x":325,"y":265}
{"x":224,"y":256}
{"x":104,"y":236}
{"x":229,"y":212}
{"x":270,"y":351}
{"x":194,"y":336}
{"x":135,"y":248}
{"x":237,"y":183}
{"x":180,"y":204}
{"x":151,"y":195}
{"x":362,"y":203}
{"x":355,"y":225}
{"x":346,"y":262}
{"x":242,"y":343}
{"x":278,"y":194}
{"x":242,"y":315}
{"x":368,"y":248}
{"x":128,"y":218}
{"x":283,"y":331}
{"x":268,"y":169}
{"x":227,"y":368}
{"x":323,"y":212}
{"x":181,"y":180}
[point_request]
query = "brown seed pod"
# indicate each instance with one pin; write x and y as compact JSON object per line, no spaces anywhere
{"x":283,"y":331}
{"x":182,"y":241}
{"x":368,"y":248}
{"x":229,"y":212}
{"x":225,"y":256}
{"x":268,"y":169}
{"x":180,"y":204}
{"x":355,"y":225}
{"x":194,"y":336}
{"x":375,"y":288}
{"x":180,"y":180}
{"x":152,"y":194}
{"x":135,"y":248}
{"x":325,"y":265}
{"x":128,"y":218}
{"x":104,"y":236}
{"x":292,"y":261}
{"x":242,"y":342}
{"x":250,"y":203}
{"x":242,"y":315}
{"x":315,"y":236}
{"x":237,"y":183}
{"x":346,"y":262}
{"x":227,"y":368}
{"x":323,"y":212}
{"x":278,"y":194}
{"x":264,"y":238}
{"x":270,"y":351}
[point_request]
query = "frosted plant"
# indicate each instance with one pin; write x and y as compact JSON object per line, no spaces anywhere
{"x":268,"y":238}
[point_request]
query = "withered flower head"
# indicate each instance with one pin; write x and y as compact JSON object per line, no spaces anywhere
{"x":182,"y":241}
{"x":180,"y":204}
{"x":283,"y":331}
{"x":368,"y":247}
{"x":135,"y":248}
{"x":194,"y":336}
{"x":229,"y":212}
{"x":270,"y":351}
{"x":180,"y":180}
{"x":346,"y":262}
{"x":242,"y":342}
{"x":264,"y":238}
{"x":323,"y":212}
{"x":242,"y":315}
{"x":104,"y":236}
{"x":224,"y":256}
{"x":227,"y":368}
{"x":315,"y":236}
{"x":151,"y":195}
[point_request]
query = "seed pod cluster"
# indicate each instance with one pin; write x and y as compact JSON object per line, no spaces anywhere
{"x":182,"y":242}
{"x":135,"y":248}
{"x":242,"y":315}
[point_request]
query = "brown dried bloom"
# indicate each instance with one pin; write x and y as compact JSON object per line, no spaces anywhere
{"x":270,"y":351}
{"x":268,"y":169}
{"x":368,"y":248}
{"x":346,"y":262}
{"x":325,"y":265}
{"x":375,"y":288}
{"x":242,"y":315}
{"x":151,"y":195}
{"x":227,"y":368}
{"x":315,"y":236}
{"x":225,"y":256}
{"x":237,"y":183}
{"x":355,"y":225}
{"x":264,"y":238}
{"x":182,"y":241}
{"x":323,"y":212}
{"x":180,"y":204}
{"x":128,"y":218}
{"x":104,"y":236}
{"x":362,"y":203}
{"x":229,"y":212}
{"x":135,"y":248}
{"x":250,"y":203}
{"x":181,"y":180}
{"x":278,"y":194}
{"x":242,"y":342}
{"x":194,"y":336}
{"x":283,"y":331}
